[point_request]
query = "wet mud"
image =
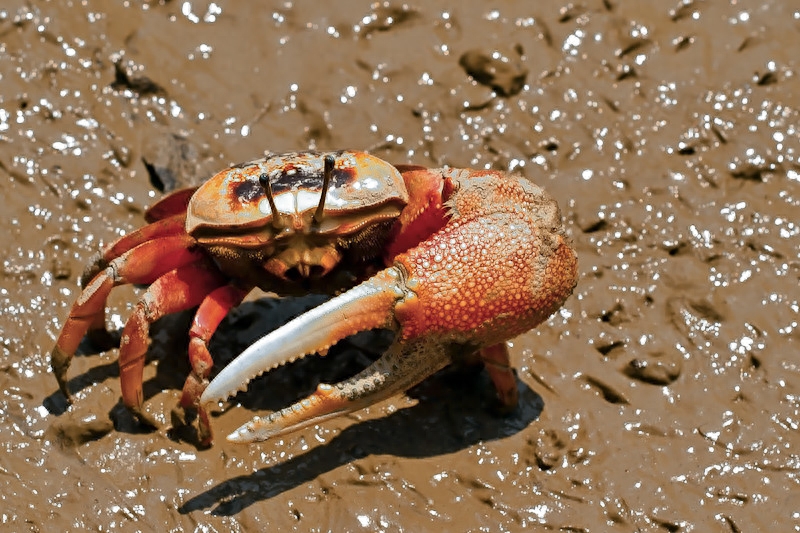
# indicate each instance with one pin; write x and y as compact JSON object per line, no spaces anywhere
{"x":665,"y":396}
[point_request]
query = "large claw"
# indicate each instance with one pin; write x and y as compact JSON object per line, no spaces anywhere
{"x":499,"y":266}
{"x":368,"y":306}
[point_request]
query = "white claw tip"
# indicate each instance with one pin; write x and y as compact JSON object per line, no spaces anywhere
{"x":243,"y":435}
{"x":235,"y":437}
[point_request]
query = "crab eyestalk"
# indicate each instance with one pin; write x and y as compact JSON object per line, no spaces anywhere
{"x":329,"y":162}
{"x":277,"y":222}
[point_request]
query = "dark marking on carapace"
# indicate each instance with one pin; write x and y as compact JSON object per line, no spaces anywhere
{"x":247,"y":191}
{"x":300,"y":179}
{"x":291,"y":177}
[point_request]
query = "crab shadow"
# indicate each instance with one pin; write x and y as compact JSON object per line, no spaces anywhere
{"x":453,"y":410}
{"x":449,"y":420}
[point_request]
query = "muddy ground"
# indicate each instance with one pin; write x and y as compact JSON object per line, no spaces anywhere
{"x":665,"y":396}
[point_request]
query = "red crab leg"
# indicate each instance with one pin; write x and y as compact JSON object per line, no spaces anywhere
{"x":496,"y":360}
{"x":214,"y":308}
{"x":163,"y":228}
{"x":177,"y":290}
{"x":172,"y":204}
{"x":141,"y":265}
{"x":173,"y":225}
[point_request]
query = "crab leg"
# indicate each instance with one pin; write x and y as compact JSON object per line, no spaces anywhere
{"x":174,"y":203}
{"x":212,"y":310}
{"x":177,"y":290}
{"x":162,"y":228}
{"x":141,"y":265}
{"x":173,"y":225}
{"x":496,"y":361}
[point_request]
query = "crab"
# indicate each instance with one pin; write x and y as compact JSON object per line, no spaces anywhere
{"x":454,"y":261}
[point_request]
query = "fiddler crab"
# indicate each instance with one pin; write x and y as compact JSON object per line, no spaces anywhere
{"x":454,"y":261}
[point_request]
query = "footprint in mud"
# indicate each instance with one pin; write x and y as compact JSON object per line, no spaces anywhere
{"x":72,"y":429}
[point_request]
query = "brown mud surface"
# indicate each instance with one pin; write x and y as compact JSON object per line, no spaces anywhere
{"x":665,"y":396}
